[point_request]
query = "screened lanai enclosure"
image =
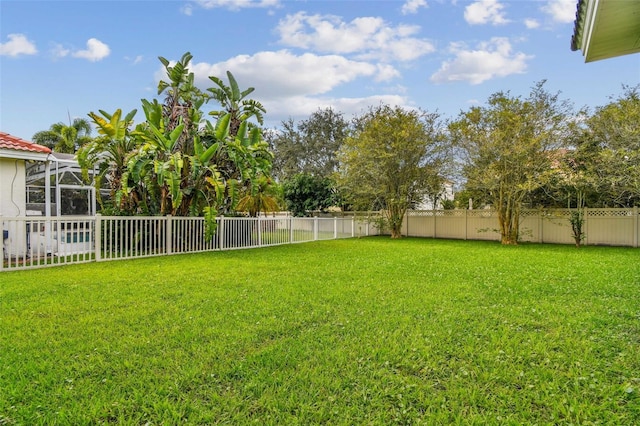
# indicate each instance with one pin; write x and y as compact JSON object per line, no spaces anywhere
{"x":61,"y":179}
{"x":51,"y":198}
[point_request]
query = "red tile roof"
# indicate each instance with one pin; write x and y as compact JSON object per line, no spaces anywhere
{"x":11,"y":142}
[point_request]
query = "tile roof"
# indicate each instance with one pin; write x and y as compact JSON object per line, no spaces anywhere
{"x":578,"y":25}
{"x":14,"y":143}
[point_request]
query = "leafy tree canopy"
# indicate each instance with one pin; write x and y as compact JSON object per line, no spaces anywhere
{"x":391,"y":159}
{"x":507,"y":149}
{"x":305,"y":193}
{"x":309,"y":146}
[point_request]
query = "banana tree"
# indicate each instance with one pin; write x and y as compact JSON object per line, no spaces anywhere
{"x":183,"y":101}
{"x":233,"y":102}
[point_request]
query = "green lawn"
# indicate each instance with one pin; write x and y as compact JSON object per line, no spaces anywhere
{"x":357,"y":331}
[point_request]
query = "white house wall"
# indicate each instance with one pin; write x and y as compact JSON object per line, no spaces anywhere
{"x":13,"y":202}
{"x":13,"y":198}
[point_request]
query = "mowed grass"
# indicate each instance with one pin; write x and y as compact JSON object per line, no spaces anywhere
{"x":358,"y":331}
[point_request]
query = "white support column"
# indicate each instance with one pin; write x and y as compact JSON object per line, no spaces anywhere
{"x":47,"y":190}
{"x":58,"y":194}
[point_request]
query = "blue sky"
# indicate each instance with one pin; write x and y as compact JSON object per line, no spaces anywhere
{"x":61,"y":59}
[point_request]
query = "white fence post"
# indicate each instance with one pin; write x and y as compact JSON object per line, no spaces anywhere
{"x":540,"y":221}
{"x":97,"y":247}
{"x":585,"y":230}
{"x":335,"y":227}
{"x":434,"y":224}
{"x":315,"y":228}
{"x":406,"y":222}
{"x":221,"y":233}
{"x":290,"y":229}
{"x":259,"y":231}
{"x":466,"y":224}
{"x":635,"y":226}
{"x":169,"y":236}
{"x":353,"y":226}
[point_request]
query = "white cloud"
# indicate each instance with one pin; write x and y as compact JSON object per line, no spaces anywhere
{"x":59,"y":51}
{"x":301,"y":107}
{"x":134,"y":61}
{"x":187,"y":9}
{"x":563,"y":11}
{"x":485,"y":12}
{"x":282,"y":74}
{"x":531,"y":23}
{"x":18,"y":44}
{"x":297,"y":85}
{"x":412,"y":6}
{"x":234,"y":5}
{"x":364,"y":37}
{"x":490,"y":60}
{"x":96,"y":51}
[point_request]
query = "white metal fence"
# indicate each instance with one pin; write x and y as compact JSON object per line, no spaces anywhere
{"x":30,"y":242}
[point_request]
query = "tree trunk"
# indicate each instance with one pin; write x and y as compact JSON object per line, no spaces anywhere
{"x":509,"y":220}
{"x":396,"y":216}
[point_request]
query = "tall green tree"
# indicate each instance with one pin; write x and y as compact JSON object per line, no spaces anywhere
{"x":389,"y":160}
{"x":507,"y":149}
{"x":65,"y":138}
{"x":609,"y":148}
{"x":305,"y":193}
{"x":310,"y":146}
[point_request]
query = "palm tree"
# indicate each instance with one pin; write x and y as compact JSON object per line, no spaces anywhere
{"x":260,"y":197}
{"x":111,"y":151}
{"x":63,"y":138}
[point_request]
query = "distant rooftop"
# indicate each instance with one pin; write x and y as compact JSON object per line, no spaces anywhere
{"x":16,"y":144}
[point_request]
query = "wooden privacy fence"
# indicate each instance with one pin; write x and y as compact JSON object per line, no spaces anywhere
{"x":30,"y":242}
{"x":615,"y":227}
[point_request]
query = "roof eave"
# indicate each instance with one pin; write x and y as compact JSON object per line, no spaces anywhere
{"x":24,"y":155}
